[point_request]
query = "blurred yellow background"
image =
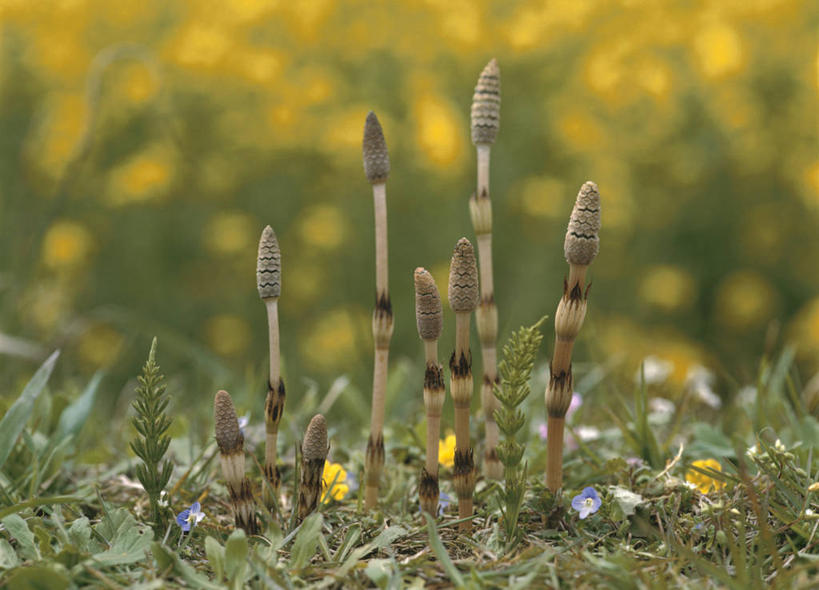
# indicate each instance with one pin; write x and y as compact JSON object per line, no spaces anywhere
{"x":144,"y":145}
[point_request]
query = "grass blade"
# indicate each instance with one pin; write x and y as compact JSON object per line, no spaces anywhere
{"x":18,"y":414}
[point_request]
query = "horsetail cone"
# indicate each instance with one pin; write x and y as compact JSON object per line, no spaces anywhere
{"x":314,"y":450}
{"x":374,"y":148}
{"x":485,"y":113}
{"x":269,"y":265}
{"x":429,"y":313}
{"x":580,"y":247}
{"x":463,"y":278}
{"x":232,"y":457}
{"x":228,"y":436}
{"x":582,"y":242}
{"x":268,"y":283}
{"x":463,"y":299}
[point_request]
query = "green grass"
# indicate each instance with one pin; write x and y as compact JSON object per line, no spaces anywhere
{"x":69,"y":525}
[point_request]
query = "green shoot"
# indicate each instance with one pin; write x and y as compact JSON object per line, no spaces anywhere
{"x":515,"y":370}
{"x":152,"y":443}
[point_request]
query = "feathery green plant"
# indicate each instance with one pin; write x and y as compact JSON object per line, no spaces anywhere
{"x":152,"y":443}
{"x":515,"y":370}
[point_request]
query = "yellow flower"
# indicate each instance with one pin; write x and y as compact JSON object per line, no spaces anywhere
{"x":705,"y":483}
{"x":335,"y":475}
{"x":227,"y":335}
{"x":66,"y":244}
{"x":446,"y":451}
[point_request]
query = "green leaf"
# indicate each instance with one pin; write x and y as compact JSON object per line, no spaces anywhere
{"x":441,"y":554}
{"x":8,"y":558}
{"x":36,"y":578}
{"x":76,"y":414}
{"x":80,"y":533}
{"x":167,"y":559}
{"x":18,"y":414}
{"x":18,"y":529}
{"x":626,"y":499}
{"x":236,"y":558}
{"x":216,"y":557}
{"x":306,"y":543}
{"x":129,"y":540}
{"x":379,"y":571}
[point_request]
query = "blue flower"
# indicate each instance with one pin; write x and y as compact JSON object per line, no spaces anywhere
{"x":587,"y":502}
{"x":243,"y":422}
{"x":443,"y":502}
{"x":190,"y":517}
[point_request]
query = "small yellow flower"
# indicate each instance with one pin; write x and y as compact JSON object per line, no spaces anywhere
{"x":335,"y":475}
{"x":446,"y":451}
{"x":814,"y":487}
{"x":705,"y":483}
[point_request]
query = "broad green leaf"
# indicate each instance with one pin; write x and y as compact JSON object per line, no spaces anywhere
{"x":18,"y":414}
{"x":18,"y":529}
{"x":80,"y":533}
{"x":8,"y":558}
{"x":236,"y":558}
{"x":306,"y":543}
{"x":129,"y":540}
{"x":216,"y":557}
{"x":76,"y":414}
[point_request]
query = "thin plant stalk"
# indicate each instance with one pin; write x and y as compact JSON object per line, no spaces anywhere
{"x":268,"y":282}
{"x":429,"y":319}
{"x":580,"y":247}
{"x":463,"y":299}
{"x":377,"y":168}
{"x":485,"y":118}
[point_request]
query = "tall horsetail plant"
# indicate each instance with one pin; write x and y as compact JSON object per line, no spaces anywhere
{"x":151,"y":423}
{"x":268,"y":282}
{"x":485,"y":119}
{"x":232,"y":457}
{"x":377,"y":168}
{"x":463,"y":299}
{"x":314,"y":451}
{"x":515,"y":371}
{"x":429,"y":318}
{"x":580,"y":247}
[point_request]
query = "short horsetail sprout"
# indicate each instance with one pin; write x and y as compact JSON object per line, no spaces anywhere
{"x":463,"y":299}
{"x":485,"y":125}
{"x":580,"y":248}
{"x":232,"y":457}
{"x":314,"y":450}
{"x":429,"y":317}
{"x":377,"y":168}
{"x":268,"y":281}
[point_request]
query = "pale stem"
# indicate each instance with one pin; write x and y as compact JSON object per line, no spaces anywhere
{"x":433,"y":432}
{"x":381,"y":272}
{"x":462,"y":334}
{"x":485,"y":261}
{"x":483,"y":150}
{"x":554,"y":453}
{"x":562,"y":358}
{"x":577,"y":275}
{"x":379,"y":390}
{"x":272,"y":305}
{"x":270,"y":450}
{"x":431,"y":352}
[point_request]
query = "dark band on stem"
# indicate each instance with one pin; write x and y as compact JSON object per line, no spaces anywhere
{"x":434,"y":378}
{"x":462,"y":367}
